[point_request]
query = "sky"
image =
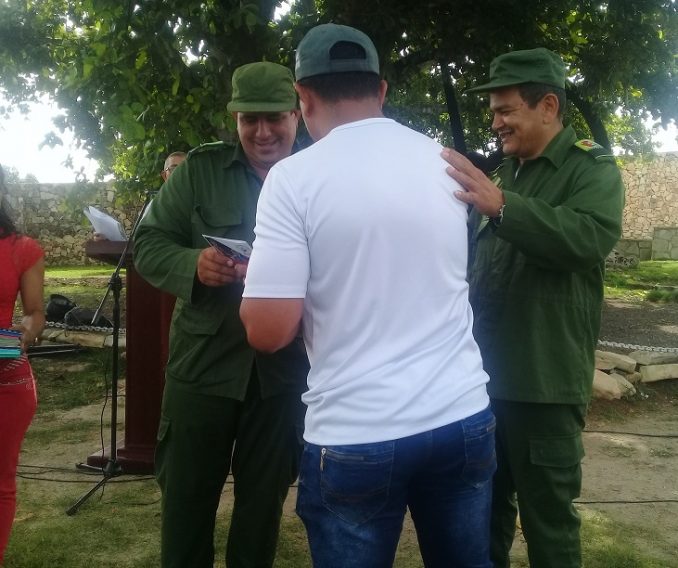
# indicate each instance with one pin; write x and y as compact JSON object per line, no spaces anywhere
{"x":20,"y":139}
{"x":21,"y":135}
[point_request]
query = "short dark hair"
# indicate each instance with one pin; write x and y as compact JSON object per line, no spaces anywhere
{"x":532,"y":93}
{"x":333,"y":87}
{"x":7,"y":226}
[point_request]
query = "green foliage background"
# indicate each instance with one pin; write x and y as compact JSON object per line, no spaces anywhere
{"x":138,"y":79}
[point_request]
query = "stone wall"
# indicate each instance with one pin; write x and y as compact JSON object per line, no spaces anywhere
{"x":636,"y":248}
{"x":651,"y":195}
{"x":665,"y":243}
{"x":53,"y":212}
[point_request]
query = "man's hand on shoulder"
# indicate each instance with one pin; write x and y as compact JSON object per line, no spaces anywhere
{"x":215,"y":269}
{"x":479,"y":190}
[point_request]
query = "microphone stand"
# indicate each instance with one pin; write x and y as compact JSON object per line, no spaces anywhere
{"x":112,"y":468}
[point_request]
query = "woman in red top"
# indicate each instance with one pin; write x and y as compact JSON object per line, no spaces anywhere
{"x":22,"y":270}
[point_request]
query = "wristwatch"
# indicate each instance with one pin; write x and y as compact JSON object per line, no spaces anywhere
{"x":499,"y":217}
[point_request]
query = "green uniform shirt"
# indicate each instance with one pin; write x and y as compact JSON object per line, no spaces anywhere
{"x":536,"y":279}
{"x":213,"y":192}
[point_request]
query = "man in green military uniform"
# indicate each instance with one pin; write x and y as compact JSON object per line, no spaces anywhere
{"x":225,"y":406}
{"x":540,"y":231}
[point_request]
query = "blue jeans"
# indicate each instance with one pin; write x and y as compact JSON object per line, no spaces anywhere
{"x":352,"y":499}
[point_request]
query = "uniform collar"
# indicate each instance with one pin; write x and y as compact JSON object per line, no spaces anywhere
{"x":238,"y":155}
{"x":556,"y":150}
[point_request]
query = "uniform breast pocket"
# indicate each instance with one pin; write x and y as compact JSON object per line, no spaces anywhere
{"x":218,"y":222}
{"x":200,"y":320}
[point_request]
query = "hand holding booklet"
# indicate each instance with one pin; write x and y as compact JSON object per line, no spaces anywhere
{"x":238,"y":251}
{"x":104,"y":224}
{"x":10,"y":344}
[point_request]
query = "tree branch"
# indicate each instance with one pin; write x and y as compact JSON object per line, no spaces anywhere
{"x":594,"y":121}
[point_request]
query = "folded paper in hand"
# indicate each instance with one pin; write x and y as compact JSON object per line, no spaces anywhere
{"x":238,"y":251}
{"x":104,"y":224}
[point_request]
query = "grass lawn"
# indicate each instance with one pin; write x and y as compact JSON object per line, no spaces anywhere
{"x":650,"y":280}
{"x":79,"y":272}
{"x":119,"y":526}
{"x":87,"y":284}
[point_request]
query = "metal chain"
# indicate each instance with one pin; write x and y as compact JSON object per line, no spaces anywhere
{"x":600,"y":342}
{"x":60,"y":325}
{"x":638,"y":347}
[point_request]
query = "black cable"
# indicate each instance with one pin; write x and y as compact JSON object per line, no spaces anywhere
{"x":32,"y":478}
{"x":102,"y":415}
{"x":642,"y":434}
{"x":56,"y":480}
{"x":55,"y":468}
{"x":639,"y":502}
{"x":103,"y":410}
{"x":295,"y":485}
{"x":85,"y":473}
{"x":45,"y":470}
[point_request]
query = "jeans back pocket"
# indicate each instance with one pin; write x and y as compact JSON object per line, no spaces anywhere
{"x":355,"y":480}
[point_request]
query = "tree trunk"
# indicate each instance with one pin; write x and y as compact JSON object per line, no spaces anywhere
{"x":594,"y":122}
{"x":456,"y":127}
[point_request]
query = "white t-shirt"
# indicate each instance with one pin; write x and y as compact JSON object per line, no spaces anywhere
{"x":364,"y":226}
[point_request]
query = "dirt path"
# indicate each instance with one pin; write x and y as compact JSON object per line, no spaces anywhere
{"x":623,"y":468}
{"x":642,"y":323}
{"x":620,"y":466}
{"x":629,"y":467}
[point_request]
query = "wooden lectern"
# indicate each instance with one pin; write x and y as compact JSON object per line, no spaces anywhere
{"x":148,"y":316}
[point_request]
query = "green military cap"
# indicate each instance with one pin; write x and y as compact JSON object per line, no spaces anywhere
{"x":526,"y":66}
{"x":262,"y":87}
{"x":315,"y":52}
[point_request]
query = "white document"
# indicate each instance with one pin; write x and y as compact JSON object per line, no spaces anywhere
{"x":237,"y":250}
{"x":104,"y":224}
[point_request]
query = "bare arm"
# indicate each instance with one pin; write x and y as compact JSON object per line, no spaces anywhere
{"x":271,"y":323}
{"x":31,"y":289}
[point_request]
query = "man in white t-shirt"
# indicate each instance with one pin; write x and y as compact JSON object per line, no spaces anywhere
{"x":360,"y":239}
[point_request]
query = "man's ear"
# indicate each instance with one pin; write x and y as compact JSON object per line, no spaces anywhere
{"x":305,"y":96}
{"x":383,"y":88}
{"x":550,"y":107}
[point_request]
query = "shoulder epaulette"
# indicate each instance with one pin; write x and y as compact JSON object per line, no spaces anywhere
{"x":208,"y":147}
{"x":594,"y":149}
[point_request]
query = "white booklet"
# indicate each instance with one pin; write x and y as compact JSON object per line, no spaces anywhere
{"x":104,"y":224}
{"x":236,"y":250}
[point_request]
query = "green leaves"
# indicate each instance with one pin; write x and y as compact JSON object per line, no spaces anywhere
{"x":621,"y":53}
{"x":136,"y":81}
{"x":141,"y":59}
{"x":175,"y":85}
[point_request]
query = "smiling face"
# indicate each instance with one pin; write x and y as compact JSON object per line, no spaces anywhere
{"x":267,"y":137}
{"x":524,"y":132}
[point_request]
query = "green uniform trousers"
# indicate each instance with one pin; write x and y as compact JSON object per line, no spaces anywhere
{"x":202,"y":437}
{"x":539,"y":451}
